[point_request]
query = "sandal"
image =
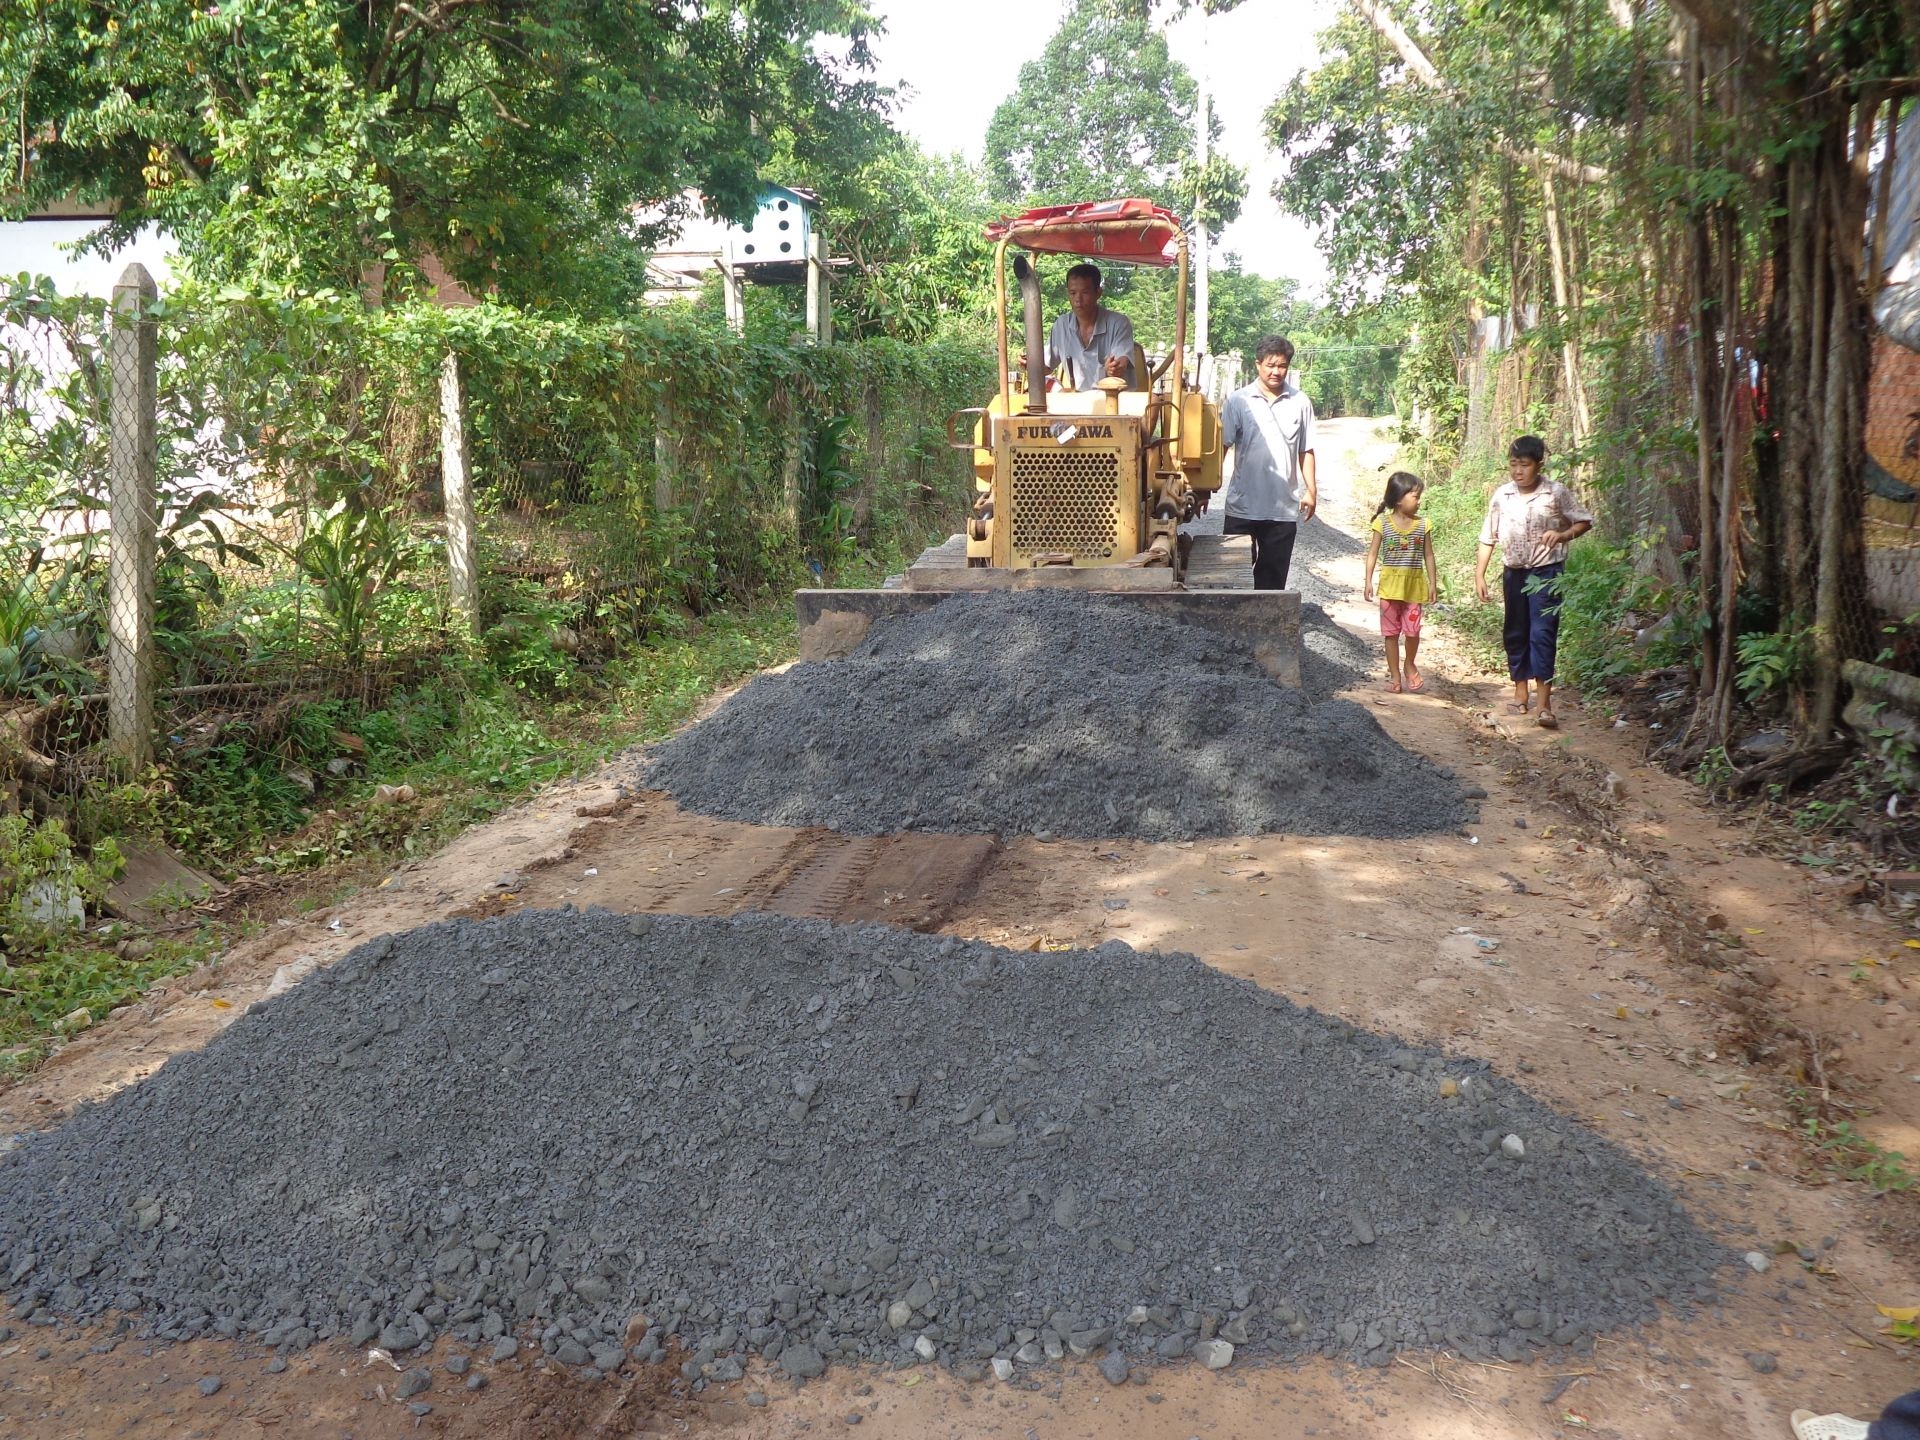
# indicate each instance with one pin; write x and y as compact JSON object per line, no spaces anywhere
{"x":1549,"y":720}
{"x":1415,"y":681}
{"x":1809,"y":1426}
{"x":1514,"y":707}
{"x":1392,"y":687}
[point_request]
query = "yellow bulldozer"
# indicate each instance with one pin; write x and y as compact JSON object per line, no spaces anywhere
{"x":1091,"y":477}
{"x":1084,"y":489}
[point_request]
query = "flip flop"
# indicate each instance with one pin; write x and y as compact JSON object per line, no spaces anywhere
{"x":1549,"y":720}
{"x":1808,"y":1426}
{"x":1513,"y":709}
{"x":1390,"y":686}
{"x":1416,"y":682}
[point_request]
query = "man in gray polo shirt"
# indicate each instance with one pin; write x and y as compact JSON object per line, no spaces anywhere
{"x":1091,"y":342}
{"x":1268,"y":426}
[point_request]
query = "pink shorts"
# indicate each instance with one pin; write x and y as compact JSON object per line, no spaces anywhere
{"x":1400,"y":617}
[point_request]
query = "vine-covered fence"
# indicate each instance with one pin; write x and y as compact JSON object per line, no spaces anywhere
{"x":218,"y":514}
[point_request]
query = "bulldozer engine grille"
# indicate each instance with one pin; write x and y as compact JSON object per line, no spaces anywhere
{"x":1066,"y":500}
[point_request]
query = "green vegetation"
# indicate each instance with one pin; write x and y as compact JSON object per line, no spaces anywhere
{"x":1633,"y":229}
{"x":287,"y":146}
{"x":1842,"y":1150}
{"x":1104,"y":111}
{"x":54,"y":976}
{"x":650,"y":491}
{"x":469,"y":741}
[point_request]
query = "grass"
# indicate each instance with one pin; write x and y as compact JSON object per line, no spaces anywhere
{"x":1838,"y":1148}
{"x":466,"y":745}
{"x":1842,"y":1150}
{"x":56,"y":977}
{"x":79,"y":980}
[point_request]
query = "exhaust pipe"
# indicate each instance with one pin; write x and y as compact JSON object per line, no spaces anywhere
{"x":1030,"y":305}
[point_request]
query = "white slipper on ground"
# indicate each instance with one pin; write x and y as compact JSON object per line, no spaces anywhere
{"x":1809,"y":1426}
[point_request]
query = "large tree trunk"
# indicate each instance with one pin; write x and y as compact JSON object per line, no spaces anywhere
{"x":1794,"y":392}
{"x":1841,"y":620}
{"x":1732,"y":467}
{"x":1580,"y":415}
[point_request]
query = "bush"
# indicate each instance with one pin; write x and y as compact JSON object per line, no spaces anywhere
{"x":1607,"y":599}
{"x":44,"y":885}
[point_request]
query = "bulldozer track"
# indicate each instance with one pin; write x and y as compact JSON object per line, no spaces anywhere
{"x":654,"y":858}
{"x":827,"y":879}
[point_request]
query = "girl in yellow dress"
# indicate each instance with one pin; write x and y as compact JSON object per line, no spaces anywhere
{"x":1402,"y":550}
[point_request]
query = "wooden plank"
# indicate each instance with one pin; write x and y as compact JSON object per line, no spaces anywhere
{"x":950,"y":553}
{"x":948,"y":578}
{"x":1094,"y":578}
{"x":154,"y":882}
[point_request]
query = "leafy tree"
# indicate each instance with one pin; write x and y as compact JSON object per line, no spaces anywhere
{"x":1348,"y":364}
{"x":286,"y":144}
{"x":1244,"y":307}
{"x":1105,"y":111}
{"x":1617,"y":222}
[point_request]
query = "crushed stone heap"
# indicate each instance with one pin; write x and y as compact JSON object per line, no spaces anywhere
{"x":815,"y":1143}
{"x":1059,"y":714}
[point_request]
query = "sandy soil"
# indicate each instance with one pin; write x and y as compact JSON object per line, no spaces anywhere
{"x":1652,"y":975}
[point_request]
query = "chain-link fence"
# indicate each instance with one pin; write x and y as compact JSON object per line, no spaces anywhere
{"x":208,"y":546}
{"x":242,"y":542}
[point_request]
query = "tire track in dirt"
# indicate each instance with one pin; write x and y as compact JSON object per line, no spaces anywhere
{"x":653,"y":858}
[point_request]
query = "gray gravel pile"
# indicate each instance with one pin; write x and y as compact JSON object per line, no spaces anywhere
{"x":1332,"y":658}
{"x":778,"y":1136}
{"x":1060,"y":714}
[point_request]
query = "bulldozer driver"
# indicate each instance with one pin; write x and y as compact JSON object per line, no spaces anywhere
{"x":1090,"y":342}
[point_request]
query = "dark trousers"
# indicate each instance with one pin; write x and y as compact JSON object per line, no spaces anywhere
{"x":1272,"y":548}
{"x":1899,"y":1421}
{"x":1532,"y":631}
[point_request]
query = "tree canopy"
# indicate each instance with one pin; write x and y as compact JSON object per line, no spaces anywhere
{"x":1104,"y":111}
{"x":287,"y":144}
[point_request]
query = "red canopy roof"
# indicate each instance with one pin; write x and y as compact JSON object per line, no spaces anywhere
{"x":1135,"y":231}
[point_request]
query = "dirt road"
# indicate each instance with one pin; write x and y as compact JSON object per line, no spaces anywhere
{"x":1650,"y":976}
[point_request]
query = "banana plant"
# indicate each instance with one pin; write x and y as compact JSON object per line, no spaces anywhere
{"x":350,"y":557}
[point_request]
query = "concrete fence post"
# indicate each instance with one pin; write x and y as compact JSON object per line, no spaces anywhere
{"x":793,"y":436}
{"x":456,"y":488}
{"x":819,"y":290}
{"x":133,"y":499}
{"x":733,"y":291}
{"x":666,"y":459}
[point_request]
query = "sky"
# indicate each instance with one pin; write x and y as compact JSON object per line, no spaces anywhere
{"x":956,"y":64}
{"x":38,"y":247}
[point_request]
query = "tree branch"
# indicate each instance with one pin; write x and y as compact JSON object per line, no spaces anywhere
{"x":185,"y":162}
{"x":1411,"y":55}
{"x":1428,"y":74}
